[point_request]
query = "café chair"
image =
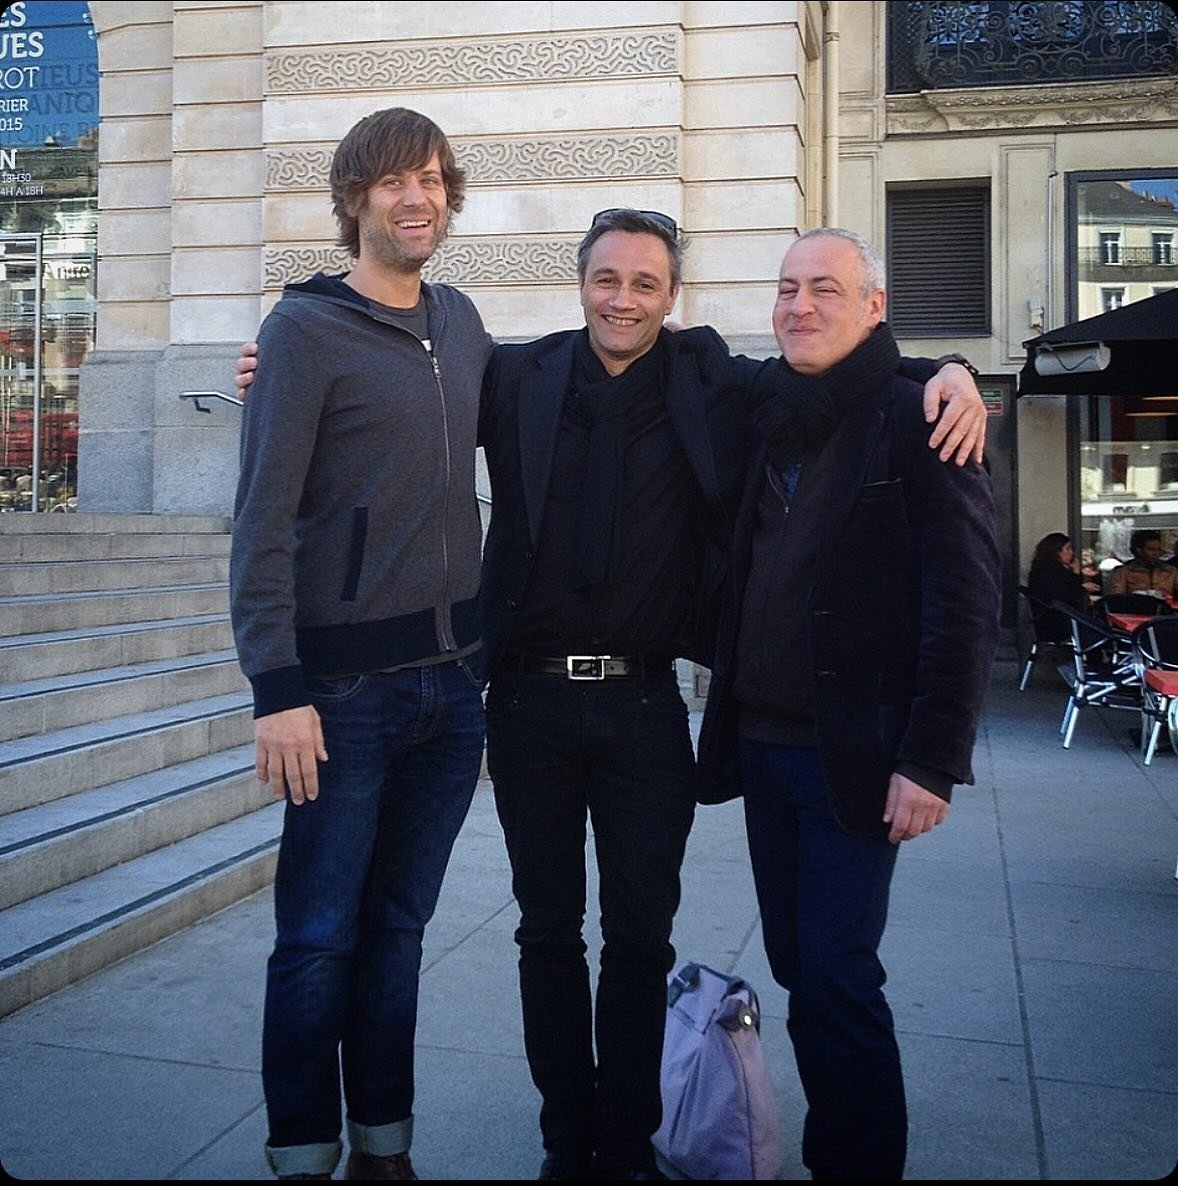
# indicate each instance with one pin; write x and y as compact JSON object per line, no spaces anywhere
{"x":1050,"y":633}
{"x":1101,"y":672}
{"x":1155,"y":656}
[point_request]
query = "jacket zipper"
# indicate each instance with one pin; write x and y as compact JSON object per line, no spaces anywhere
{"x":446,"y":635}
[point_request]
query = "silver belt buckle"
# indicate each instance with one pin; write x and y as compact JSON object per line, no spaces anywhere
{"x":586,"y":666}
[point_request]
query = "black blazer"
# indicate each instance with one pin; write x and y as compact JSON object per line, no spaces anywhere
{"x":901,"y":658}
{"x":523,"y":395}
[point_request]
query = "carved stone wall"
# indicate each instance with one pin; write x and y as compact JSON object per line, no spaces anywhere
{"x":470,"y":263}
{"x":515,"y":160}
{"x":1081,"y":104}
{"x":479,"y":61}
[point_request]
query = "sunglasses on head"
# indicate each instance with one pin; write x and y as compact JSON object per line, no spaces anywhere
{"x":664,"y":220}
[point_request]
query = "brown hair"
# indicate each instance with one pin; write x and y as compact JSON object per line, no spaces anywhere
{"x":390,"y":141}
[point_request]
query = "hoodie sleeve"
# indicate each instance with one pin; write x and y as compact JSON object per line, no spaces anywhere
{"x":279,"y":427}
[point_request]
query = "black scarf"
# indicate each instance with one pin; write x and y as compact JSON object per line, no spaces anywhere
{"x":808,"y":410}
{"x":604,"y":402}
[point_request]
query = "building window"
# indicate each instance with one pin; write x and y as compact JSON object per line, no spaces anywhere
{"x":1115,"y":472}
{"x":934,"y":45}
{"x":1110,"y":247}
{"x":938,"y":249}
{"x":1123,"y":229}
{"x":1168,"y":471}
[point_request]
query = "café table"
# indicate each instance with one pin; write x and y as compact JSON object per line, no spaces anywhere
{"x":1127,"y":622}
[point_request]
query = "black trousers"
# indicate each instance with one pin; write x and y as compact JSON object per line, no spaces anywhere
{"x":619,"y":752}
{"x":823,"y":896}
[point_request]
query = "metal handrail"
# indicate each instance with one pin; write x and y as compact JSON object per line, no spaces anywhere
{"x":197,"y":396}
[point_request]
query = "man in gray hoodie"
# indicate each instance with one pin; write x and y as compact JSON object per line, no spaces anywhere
{"x":354,"y":586}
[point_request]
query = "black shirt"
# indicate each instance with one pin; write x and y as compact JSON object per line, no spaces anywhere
{"x":646,"y":602}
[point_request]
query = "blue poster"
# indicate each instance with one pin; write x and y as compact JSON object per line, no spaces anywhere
{"x":48,"y":75}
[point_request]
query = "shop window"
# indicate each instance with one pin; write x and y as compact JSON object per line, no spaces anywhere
{"x":939,"y":262}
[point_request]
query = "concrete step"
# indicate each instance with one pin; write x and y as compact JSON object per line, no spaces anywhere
{"x":103,"y":523}
{"x":28,"y":548}
{"x":59,"y":937}
{"x":37,"y":614}
{"x":63,"y":841}
{"x":70,"y":652}
{"x":59,"y":702}
{"x":85,"y":576}
{"x":49,"y":766}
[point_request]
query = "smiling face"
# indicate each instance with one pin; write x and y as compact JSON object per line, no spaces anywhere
{"x":626,"y":294}
{"x":821,"y":313}
{"x":403,"y":218}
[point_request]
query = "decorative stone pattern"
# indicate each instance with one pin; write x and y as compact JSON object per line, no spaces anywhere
{"x":469,"y":263}
{"x":517,"y":160}
{"x":995,"y":108}
{"x":477,"y":62}
{"x":582,"y":158}
{"x":497,"y":262}
{"x":298,"y":168}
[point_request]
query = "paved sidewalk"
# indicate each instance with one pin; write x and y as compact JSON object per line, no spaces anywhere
{"x":1032,"y":951}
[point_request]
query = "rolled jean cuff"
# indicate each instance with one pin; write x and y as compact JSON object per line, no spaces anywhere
{"x":303,"y":1159}
{"x":381,"y":1140}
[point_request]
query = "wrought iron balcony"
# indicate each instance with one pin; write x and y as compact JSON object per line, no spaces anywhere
{"x":1005,"y":42}
{"x":1127,"y":257}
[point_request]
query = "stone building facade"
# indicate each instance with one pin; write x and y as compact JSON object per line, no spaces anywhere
{"x":747,"y":122}
{"x":218,"y":123}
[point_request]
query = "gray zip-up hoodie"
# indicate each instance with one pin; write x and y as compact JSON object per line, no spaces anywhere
{"x":356,"y":533}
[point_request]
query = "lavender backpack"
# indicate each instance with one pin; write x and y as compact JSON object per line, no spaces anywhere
{"x":720,"y":1117}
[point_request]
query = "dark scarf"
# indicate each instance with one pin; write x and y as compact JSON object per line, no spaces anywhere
{"x":807,"y":410}
{"x":604,"y":402}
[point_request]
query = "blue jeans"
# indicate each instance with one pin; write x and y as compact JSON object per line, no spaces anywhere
{"x":359,"y":871}
{"x":823,"y":896}
{"x":618,"y":751}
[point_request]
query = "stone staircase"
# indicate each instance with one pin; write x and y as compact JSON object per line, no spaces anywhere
{"x":128,"y":803}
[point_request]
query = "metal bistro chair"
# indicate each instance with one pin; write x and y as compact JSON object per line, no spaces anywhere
{"x":1155,"y":656}
{"x":1101,"y":671}
{"x":1050,"y":634}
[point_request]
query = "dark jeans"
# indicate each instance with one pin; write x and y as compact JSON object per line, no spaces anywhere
{"x":619,"y":750}
{"x":823,"y":896}
{"x":359,"y":872}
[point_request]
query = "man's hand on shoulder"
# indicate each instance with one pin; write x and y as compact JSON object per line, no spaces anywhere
{"x":961,"y":430}
{"x":911,"y":810}
{"x":247,"y":363}
{"x":287,"y":747}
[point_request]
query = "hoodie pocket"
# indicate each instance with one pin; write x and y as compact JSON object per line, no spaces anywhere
{"x":355,"y":552}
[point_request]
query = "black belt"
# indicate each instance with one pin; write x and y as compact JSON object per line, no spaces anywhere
{"x":589,"y":667}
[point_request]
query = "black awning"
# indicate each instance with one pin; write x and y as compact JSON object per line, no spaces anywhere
{"x":1135,"y":348}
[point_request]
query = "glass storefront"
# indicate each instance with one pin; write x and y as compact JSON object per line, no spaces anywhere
{"x":48,"y":245}
{"x":1125,"y":241}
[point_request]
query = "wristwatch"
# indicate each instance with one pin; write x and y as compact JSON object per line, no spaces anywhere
{"x":945,"y":359}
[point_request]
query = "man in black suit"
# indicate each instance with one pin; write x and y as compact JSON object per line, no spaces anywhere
{"x":617,"y":454}
{"x":846,"y":708}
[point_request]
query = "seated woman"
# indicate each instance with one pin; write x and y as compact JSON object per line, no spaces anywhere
{"x":1054,"y":576}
